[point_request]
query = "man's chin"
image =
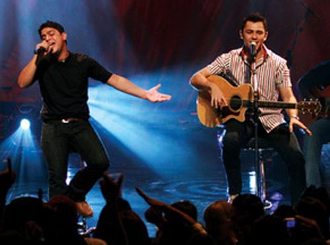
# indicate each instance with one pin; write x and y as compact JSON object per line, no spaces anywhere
{"x":55,"y":53}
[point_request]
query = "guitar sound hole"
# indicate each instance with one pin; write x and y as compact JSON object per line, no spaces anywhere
{"x":235,"y":103}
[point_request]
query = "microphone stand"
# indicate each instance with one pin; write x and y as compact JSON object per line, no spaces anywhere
{"x":255,"y":111}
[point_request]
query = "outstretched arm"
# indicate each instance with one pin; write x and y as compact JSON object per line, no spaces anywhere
{"x":124,"y":85}
{"x":170,"y":209}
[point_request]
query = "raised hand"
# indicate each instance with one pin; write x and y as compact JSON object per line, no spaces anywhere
{"x":151,"y":201}
{"x":111,"y":187}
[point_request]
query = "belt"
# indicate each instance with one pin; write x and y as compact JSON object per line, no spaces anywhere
{"x":65,"y":120}
{"x":71,"y":120}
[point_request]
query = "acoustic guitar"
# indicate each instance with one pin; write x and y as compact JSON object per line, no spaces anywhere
{"x":240,"y":99}
{"x":323,"y":95}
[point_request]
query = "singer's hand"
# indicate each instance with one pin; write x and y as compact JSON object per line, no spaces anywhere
{"x":43,"y":47}
{"x":154,"y":96}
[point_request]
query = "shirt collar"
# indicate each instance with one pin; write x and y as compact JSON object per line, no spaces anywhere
{"x":244,"y":54}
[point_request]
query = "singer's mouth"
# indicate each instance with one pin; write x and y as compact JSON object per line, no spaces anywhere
{"x":51,"y":44}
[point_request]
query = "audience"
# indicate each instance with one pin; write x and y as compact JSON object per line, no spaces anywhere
{"x":7,"y":178}
{"x":247,"y":209}
{"x":219,"y":224}
{"x":118,"y":223}
{"x":270,"y":230}
{"x":30,"y":220}
{"x":179,"y":224}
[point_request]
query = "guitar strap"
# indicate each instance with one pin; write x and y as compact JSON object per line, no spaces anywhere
{"x":247,"y":72}
{"x":229,"y":76}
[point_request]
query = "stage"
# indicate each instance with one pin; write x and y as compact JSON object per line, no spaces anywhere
{"x":161,"y":148}
{"x":192,"y":173}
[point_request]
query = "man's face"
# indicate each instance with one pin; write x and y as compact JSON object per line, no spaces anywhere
{"x":54,"y":39}
{"x":254,"y":32}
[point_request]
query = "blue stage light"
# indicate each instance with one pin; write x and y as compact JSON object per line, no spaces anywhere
{"x":25,"y":124}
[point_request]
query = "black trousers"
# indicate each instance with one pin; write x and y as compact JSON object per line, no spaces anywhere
{"x":57,"y":140}
{"x":238,"y":134}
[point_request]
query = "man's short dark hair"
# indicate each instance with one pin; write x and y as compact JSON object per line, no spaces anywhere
{"x":51,"y":24}
{"x":255,"y":17}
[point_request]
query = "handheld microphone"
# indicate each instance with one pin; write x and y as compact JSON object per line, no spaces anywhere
{"x":40,"y":50}
{"x":40,"y":54}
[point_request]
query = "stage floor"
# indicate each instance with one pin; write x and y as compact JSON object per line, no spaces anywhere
{"x":186,"y":166}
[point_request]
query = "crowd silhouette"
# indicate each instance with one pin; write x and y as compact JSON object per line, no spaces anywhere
{"x":30,"y":220}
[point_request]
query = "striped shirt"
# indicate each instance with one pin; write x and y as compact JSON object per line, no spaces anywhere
{"x":271,"y":72}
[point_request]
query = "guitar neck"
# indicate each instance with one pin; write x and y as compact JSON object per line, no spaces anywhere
{"x":272,"y":104}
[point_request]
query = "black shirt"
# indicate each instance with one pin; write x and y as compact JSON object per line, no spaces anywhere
{"x":64,"y":85}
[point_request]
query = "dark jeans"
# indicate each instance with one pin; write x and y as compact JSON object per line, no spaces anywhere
{"x":285,"y":143}
{"x":312,"y":148}
{"x":58,"y":140}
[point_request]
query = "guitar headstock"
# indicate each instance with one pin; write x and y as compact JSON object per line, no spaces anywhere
{"x":311,"y":106}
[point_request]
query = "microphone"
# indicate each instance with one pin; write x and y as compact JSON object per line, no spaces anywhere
{"x":252,"y":49}
{"x":40,"y":50}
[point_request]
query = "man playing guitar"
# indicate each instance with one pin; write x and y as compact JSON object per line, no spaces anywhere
{"x":269,"y":75}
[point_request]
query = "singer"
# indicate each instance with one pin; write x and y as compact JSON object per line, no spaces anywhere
{"x":63,"y":81}
{"x":274,"y":82}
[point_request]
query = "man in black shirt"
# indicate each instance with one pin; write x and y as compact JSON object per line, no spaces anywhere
{"x":63,"y":80}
